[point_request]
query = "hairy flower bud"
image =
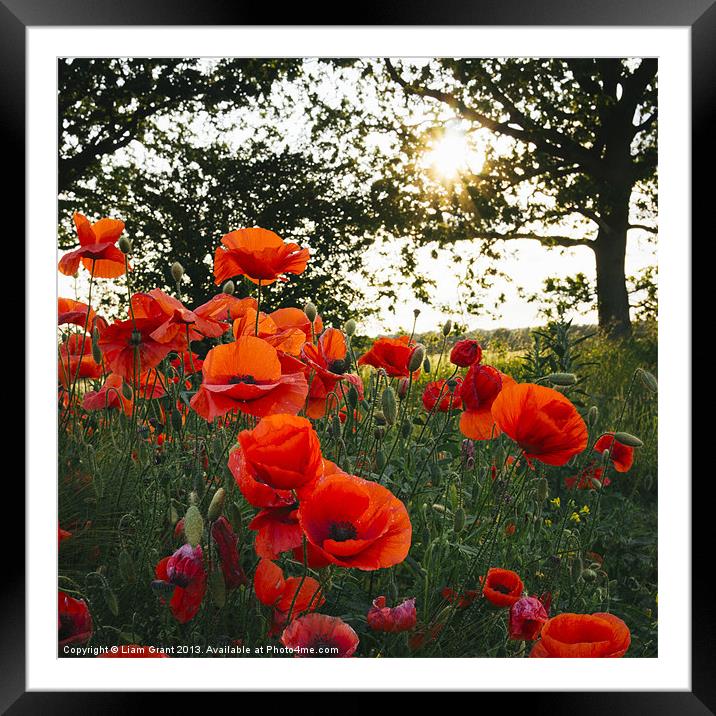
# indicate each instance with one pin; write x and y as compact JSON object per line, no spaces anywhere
{"x":628,"y":439}
{"x":416,"y":357}
{"x":311,"y":311}
{"x":447,"y":328}
{"x":125,"y":245}
{"x":193,"y":525}
{"x":593,"y":415}
{"x":390,"y":407}
{"x":349,"y":327}
{"x":562,"y":379}
{"x":177,"y":271}
{"x":229,"y":288}
{"x":649,"y":380}
{"x":216,"y":506}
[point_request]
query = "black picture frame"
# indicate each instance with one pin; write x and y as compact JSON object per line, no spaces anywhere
{"x":699,"y":15}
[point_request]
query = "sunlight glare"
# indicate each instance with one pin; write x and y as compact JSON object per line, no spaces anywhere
{"x":452,"y":154}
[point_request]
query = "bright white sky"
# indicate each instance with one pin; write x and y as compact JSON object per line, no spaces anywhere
{"x":526,"y":262}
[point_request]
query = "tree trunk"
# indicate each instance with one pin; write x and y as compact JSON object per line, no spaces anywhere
{"x":612,"y":296}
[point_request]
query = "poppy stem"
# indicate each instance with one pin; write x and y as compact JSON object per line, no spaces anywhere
{"x":258,"y":310}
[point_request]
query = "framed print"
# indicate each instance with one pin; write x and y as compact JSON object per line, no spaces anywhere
{"x":369,"y":342}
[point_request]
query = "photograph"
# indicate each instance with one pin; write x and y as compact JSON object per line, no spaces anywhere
{"x":357,"y":356}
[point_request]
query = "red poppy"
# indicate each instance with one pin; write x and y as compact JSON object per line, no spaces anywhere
{"x":356,"y":522}
{"x":527,"y":616}
{"x":133,"y":651}
{"x":392,"y":355}
{"x":318,"y":635}
{"x":591,"y":477}
{"x":249,"y":375}
{"x":76,"y":360}
{"x":224,"y":307}
{"x":186,"y":363}
{"x":392,"y":619}
{"x":74,"y":623}
{"x":288,"y":340}
{"x":589,"y":636}
{"x":97,"y":250}
{"x":286,"y":318}
{"x":62,"y":535}
{"x":463,"y":600}
{"x":258,"y":254}
{"x":183,"y":575}
{"x":466,"y":353}
{"x":277,"y":531}
{"x":274,"y":590}
{"x":502,"y":587}
{"x":315,"y":558}
{"x":256,"y":493}
{"x":480,"y":388}
{"x":69,"y":311}
{"x":449,"y":397}
{"x":542,"y":421}
{"x":622,"y":456}
{"x":226,"y":545}
{"x":110,"y":395}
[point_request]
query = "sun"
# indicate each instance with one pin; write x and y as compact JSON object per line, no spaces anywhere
{"x":452,"y":154}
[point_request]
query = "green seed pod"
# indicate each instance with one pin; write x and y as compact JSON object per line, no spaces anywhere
{"x":176,"y":421}
{"x":416,"y":357}
{"x":380,"y":460}
{"x":126,"y":390}
{"x":426,"y":364}
{"x":628,"y":439}
{"x":447,"y":328}
{"x":177,"y":271}
{"x":352,"y":396}
{"x":593,"y":416}
{"x":459,"y":520}
{"x":311,"y":311}
{"x":349,"y":327}
{"x":126,"y":567}
{"x":216,"y":506}
{"x":125,"y":245}
{"x":542,"y":489}
{"x":563,"y":379}
{"x":193,"y":525}
{"x":649,"y":380}
{"x":229,"y":288}
{"x":233,"y":512}
{"x":110,"y":599}
{"x":217,"y":588}
{"x":390,"y":405}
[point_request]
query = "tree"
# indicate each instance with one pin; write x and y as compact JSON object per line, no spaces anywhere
{"x":577,"y":150}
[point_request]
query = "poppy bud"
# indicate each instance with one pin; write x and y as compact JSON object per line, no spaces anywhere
{"x":193,"y":526}
{"x":126,"y":567}
{"x":352,"y":396}
{"x":177,"y":271}
{"x":311,"y":311}
{"x":126,"y":390}
{"x":216,"y":506}
{"x":416,"y":312}
{"x":593,"y":415}
{"x":562,"y":379}
{"x":605,"y":457}
{"x":628,"y":439}
{"x":380,"y":460}
{"x":406,"y":428}
{"x":125,"y":245}
{"x":390,"y":407}
{"x":649,"y":380}
{"x":447,"y":328}
{"x":542,"y":489}
{"x":229,"y":288}
{"x":589,"y":575}
{"x":379,"y":418}
{"x":336,"y":426}
{"x":403,"y":388}
{"x":459,"y":520}
{"x":96,"y":353}
{"x":349,"y":327}
{"x":426,"y":364}
{"x":466,"y":353}
{"x":416,"y":357}
{"x":217,"y":588}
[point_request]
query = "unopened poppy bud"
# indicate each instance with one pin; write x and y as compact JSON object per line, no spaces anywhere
{"x":605,"y":457}
{"x":349,"y":327}
{"x":542,"y":489}
{"x":216,"y":506}
{"x":126,"y":390}
{"x":593,"y":415}
{"x":125,"y":245}
{"x":649,"y":380}
{"x":217,"y":588}
{"x":311,"y":311}
{"x":336,"y":425}
{"x":563,"y":379}
{"x":193,"y":526}
{"x":380,"y":460}
{"x":390,"y":406}
{"x":447,"y":328}
{"x":628,"y":439}
{"x":416,"y":357}
{"x":439,"y":508}
{"x":352,"y":396}
{"x":459,"y":520}
{"x":229,"y":288}
{"x":403,"y":388}
{"x":96,"y":353}
{"x":177,"y":271}
{"x":416,"y":312}
{"x":95,"y":335}
{"x":426,"y":364}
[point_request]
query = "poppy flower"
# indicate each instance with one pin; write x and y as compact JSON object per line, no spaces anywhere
{"x":224,"y":307}
{"x":134,"y":651}
{"x":318,"y":635}
{"x":70,"y":311}
{"x":480,"y":388}
{"x":542,"y":421}
{"x":76,"y":360}
{"x":356,"y":522}
{"x":392,"y":355}
{"x":589,"y":636}
{"x":315,"y":558}
{"x":286,"y":318}
{"x":277,"y":531}
{"x":226,"y":541}
{"x":502,"y":587}
{"x":256,"y":493}
{"x":622,"y":456}
{"x":466,"y":353}
{"x":449,"y":398}
{"x":249,"y":375}
{"x":463,"y":600}
{"x":392,"y":619}
{"x":62,"y":535}
{"x":110,"y":395}
{"x":183,"y":575}
{"x":97,"y":251}
{"x":527,"y":616}
{"x":259,"y":254}
{"x":274,"y":590}
{"x":591,"y":477}
{"x":74,"y":623}
{"x":186,"y":363}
